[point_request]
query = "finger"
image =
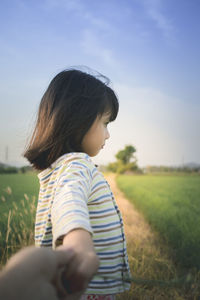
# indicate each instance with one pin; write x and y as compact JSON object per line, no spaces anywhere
{"x":56,"y":260}
{"x":64,"y":256}
{"x":72,"y":267}
{"x":63,"y":277}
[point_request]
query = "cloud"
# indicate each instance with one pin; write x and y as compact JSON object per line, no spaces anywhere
{"x":95,"y":30}
{"x":80,"y":9}
{"x":92,"y":45}
{"x":69,"y":5}
{"x":154,"y":9}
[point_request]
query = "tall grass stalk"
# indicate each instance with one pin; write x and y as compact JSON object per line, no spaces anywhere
{"x":18,"y":231}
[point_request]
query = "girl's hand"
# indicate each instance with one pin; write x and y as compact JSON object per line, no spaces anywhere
{"x":83,"y":265}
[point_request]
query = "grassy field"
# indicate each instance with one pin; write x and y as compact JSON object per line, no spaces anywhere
{"x":18,"y":196}
{"x":171,"y":205}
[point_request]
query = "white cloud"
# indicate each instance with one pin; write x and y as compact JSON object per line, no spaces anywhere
{"x":92,"y":45}
{"x":95,"y":29}
{"x":80,"y":9}
{"x":69,"y":5}
{"x":154,"y":9}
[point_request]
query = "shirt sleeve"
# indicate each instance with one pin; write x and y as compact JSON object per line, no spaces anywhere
{"x":69,"y":209}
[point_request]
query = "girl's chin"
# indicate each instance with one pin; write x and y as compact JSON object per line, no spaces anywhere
{"x":93,"y":154}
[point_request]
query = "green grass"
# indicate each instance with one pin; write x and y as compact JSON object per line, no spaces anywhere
{"x":18,"y":204}
{"x":171,"y":205}
{"x":18,"y":199}
{"x":20,"y":183}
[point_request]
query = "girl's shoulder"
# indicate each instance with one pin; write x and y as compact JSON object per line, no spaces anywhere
{"x":68,"y":163}
{"x":70,"y":158}
{"x":74,"y":161}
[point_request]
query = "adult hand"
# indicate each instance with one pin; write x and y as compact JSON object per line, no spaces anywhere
{"x":34,"y":273}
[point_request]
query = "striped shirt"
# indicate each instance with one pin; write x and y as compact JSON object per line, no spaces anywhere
{"x":74,"y":194}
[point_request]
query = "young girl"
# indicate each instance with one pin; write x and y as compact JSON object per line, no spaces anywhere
{"x":76,"y":208}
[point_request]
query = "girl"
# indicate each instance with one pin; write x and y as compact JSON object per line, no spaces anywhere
{"x":76,"y":208}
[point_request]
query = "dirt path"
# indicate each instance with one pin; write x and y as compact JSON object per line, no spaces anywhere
{"x":136,"y":228}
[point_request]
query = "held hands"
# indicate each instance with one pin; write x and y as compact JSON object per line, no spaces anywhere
{"x":44,"y":274}
{"x":32,"y":273}
{"x":82,"y":266}
{"x":74,"y":279}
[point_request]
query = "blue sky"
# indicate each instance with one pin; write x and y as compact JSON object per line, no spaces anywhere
{"x":148,"y":48}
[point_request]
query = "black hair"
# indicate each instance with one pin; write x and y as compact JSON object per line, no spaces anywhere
{"x":67,"y":110}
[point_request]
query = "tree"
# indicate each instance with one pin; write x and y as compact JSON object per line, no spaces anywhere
{"x":126,"y":161}
{"x":126,"y":154}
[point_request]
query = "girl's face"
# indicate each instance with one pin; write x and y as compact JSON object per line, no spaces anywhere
{"x":95,"y":138}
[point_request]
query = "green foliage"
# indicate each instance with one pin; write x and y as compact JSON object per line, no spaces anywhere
{"x":20,"y":184}
{"x":126,"y":154}
{"x":18,"y":198}
{"x":172,"y":169}
{"x":8,"y":170}
{"x":25,"y":169}
{"x":117,"y":167}
{"x":112,"y":167}
{"x":172,"y":207}
{"x":4,"y":169}
{"x":153,"y":276}
{"x":126,"y":162}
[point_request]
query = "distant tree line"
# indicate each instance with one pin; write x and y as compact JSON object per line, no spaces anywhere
{"x":5,"y":169}
{"x":171,"y":169}
{"x":126,"y":163}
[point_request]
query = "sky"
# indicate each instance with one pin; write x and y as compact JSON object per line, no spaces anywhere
{"x":149,"y":49}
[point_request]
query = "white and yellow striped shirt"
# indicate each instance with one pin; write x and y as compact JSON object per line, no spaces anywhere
{"x":74,"y":194}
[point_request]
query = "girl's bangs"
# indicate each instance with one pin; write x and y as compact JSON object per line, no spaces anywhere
{"x":111,"y":106}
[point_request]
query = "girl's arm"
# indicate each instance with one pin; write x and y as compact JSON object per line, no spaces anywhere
{"x":71,"y":226}
{"x":84,"y":264}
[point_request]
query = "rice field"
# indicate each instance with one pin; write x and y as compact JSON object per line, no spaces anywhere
{"x":171,"y":205}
